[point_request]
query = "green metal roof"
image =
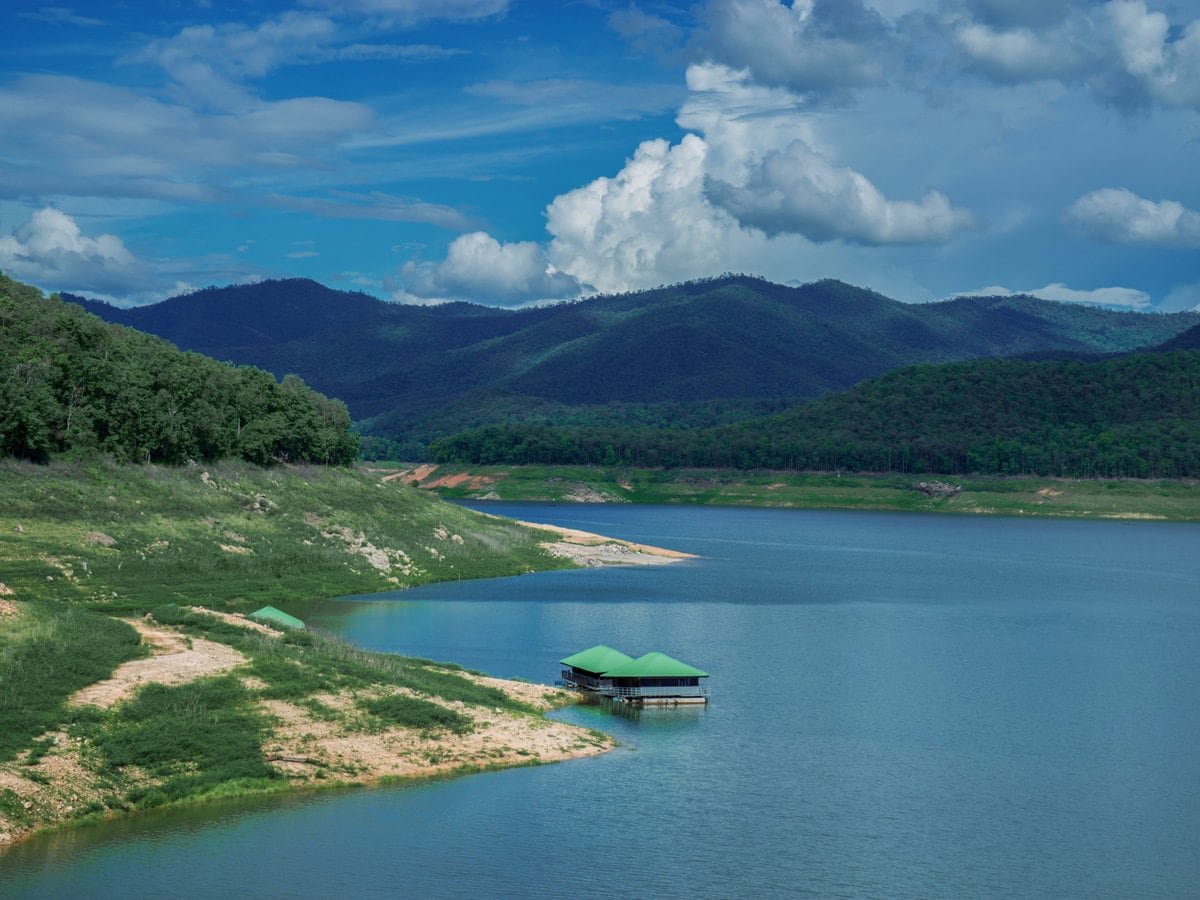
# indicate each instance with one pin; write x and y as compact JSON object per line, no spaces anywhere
{"x":654,"y":665}
{"x":277,"y":617}
{"x":597,"y":659}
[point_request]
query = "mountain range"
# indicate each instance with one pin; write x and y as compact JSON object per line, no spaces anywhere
{"x":702,"y":352}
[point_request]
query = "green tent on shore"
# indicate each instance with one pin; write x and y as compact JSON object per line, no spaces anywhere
{"x":278,"y":617}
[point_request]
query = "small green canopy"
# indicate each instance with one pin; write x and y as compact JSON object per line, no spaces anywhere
{"x":277,"y":617}
{"x":597,"y":659}
{"x":654,"y":665}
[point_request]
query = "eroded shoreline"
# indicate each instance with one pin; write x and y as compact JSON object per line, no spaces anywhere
{"x":317,"y":742}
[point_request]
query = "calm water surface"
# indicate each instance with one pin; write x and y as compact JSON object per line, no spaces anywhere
{"x":903,"y":705}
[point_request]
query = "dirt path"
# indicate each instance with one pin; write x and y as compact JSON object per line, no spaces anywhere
{"x":310,"y":749}
{"x":177,"y":659}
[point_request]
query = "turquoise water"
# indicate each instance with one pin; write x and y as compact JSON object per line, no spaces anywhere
{"x":903,"y":705}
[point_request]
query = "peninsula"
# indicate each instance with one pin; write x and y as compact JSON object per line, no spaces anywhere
{"x":131,"y":678}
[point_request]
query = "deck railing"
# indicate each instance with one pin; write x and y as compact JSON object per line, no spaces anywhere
{"x":605,"y":687}
{"x":683,"y":690}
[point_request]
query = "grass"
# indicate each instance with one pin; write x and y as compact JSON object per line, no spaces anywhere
{"x":413,"y":712}
{"x":83,"y":541}
{"x":299,"y":665}
{"x":50,"y":652}
{"x":187,"y":741}
{"x":233,"y":536}
{"x":1016,"y":495}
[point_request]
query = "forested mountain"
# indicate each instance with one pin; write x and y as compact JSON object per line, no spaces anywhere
{"x":1186,"y":340}
{"x":693,"y":354}
{"x":1131,"y":416}
{"x":72,"y":382}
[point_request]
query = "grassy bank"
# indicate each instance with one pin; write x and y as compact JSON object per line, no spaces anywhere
{"x":236,"y":536}
{"x":272,"y":710}
{"x":115,"y":695}
{"x":1165,"y":499}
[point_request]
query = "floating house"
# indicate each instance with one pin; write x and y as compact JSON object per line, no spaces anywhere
{"x":651,"y":679}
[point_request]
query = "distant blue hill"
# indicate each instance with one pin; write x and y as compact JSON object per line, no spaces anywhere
{"x":703,"y":352}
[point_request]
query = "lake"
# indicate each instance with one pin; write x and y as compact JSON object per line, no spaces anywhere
{"x":902,"y":706}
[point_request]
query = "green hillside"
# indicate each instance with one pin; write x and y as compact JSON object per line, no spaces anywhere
{"x":72,"y":383}
{"x":1131,"y":416}
{"x":410,"y":374}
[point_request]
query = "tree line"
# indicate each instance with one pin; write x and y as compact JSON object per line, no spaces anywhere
{"x":1135,"y":416}
{"x":71,"y":383}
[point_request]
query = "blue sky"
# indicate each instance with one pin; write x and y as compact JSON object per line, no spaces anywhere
{"x":512,"y":152}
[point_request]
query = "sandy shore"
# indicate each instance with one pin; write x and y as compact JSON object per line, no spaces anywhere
{"x":589,"y":549}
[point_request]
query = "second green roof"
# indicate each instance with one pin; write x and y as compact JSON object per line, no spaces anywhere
{"x":654,"y":665}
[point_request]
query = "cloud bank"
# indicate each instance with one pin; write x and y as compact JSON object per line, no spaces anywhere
{"x":716,"y":199}
{"x":1119,"y":216}
{"x":50,"y":247}
{"x":479,"y":267}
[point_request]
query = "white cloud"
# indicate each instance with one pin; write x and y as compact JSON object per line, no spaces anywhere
{"x":1158,"y":67}
{"x":240,"y":51}
{"x":817,"y":47}
{"x":649,"y":224}
{"x":106,"y":141}
{"x":747,"y":193}
{"x":1129,"y":298}
{"x":1119,"y":216}
{"x":478,"y":267}
{"x":1107,"y":296}
{"x":798,"y":191}
{"x":1128,"y":55}
{"x":1021,"y":54}
{"x":52,"y":252}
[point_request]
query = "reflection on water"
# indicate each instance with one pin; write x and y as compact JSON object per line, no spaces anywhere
{"x":901,"y":706}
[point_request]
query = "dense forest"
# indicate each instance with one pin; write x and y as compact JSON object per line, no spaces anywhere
{"x":1134,"y":416}
{"x":673,"y":354}
{"x":72,"y":383}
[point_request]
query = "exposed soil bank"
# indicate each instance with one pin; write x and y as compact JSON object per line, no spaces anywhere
{"x":68,"y":780}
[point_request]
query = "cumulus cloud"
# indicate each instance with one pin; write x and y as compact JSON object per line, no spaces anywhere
{"x":811,"y":46}
{"x":1022,"y":54}
{"x":1158,"y":63}
{"x":798,"y":191}
{"x":480,"y":268}
{"x":52,"y":252}
{"x":1128,"y":55}
{"x":720,"y":199}
{"x":648,"y":224}
{"x":1119,"y":216}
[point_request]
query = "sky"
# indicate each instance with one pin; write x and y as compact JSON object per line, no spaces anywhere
{"x":511,"y":152}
